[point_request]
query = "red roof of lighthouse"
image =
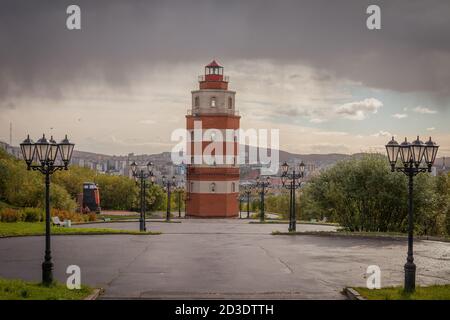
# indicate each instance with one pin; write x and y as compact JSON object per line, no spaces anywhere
{"x":213,"y":64}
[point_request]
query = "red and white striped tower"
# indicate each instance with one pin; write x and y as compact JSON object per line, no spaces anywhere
{"x":212,"y":188}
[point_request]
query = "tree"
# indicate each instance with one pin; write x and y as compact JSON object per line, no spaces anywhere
{"x":23,"y":188}
{"x":117,"y":192}
{"x":278,"y":204}
{"x":156,"y":198}
{"x":364,"y":195}
{"x":72,"y":180}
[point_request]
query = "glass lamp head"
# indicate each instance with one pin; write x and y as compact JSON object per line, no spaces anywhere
{"x":66,"y":149}
{"x":302,"y":167}
{"x":42,"y":148}
{"x":284,"y":168}
{"x":431,"y":149}
{"x":417,"y":149}
{"x":28,"y":149}
{"x":392,"y":149}
{"x":53,"y":150}
{"x":133,"y":166}
{"x":405,"y":152}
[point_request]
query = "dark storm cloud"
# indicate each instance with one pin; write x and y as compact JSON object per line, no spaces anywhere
{"x":39,"y":55}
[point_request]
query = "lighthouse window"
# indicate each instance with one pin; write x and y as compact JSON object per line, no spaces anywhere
{"x":233,"y":187}
{"x":213,"y":102}
{"x":213,"y":187}
{"x":197,"y":102}
{"x":230,"y":103}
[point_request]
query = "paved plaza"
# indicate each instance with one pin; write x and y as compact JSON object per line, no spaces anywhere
{"x":198,"y":259}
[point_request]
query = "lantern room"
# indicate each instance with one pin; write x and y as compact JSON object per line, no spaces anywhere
{"x":213,"y":77}
{"x":213,"y":71}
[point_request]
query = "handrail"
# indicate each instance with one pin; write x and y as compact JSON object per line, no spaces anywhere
{"x":201,"y":78}
{"x":195,"y":112}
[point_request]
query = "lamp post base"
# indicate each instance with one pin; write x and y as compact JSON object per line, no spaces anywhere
{"x":142,"y":226}
{"x":410,"y":277}
{"x":47,"y":273}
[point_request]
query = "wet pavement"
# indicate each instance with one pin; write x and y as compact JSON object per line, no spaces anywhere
{"x":212,"y":259}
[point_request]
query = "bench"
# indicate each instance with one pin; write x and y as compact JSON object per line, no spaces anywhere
{"x":57,"y":222}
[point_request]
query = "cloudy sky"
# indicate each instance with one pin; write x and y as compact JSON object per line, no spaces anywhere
{"x":309,"y":68}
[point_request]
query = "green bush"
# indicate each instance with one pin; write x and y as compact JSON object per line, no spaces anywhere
{"x":91,"y":217}
{"x":447,"y":221}
{"x":32,"y":214}
{"x":67,"y":215}
{"x":22,"y":188}
{"x":10,"y":215}
{"x":362,"y":194}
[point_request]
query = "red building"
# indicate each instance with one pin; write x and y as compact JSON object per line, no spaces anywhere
{"x":212,"y":185}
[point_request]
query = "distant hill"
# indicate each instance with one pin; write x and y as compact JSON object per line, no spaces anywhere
{"x":320,"y":160}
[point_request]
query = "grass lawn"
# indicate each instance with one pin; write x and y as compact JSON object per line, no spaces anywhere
{"x":17,"y":229}
{"x":22,"y":290}
{"x":436,"y":292}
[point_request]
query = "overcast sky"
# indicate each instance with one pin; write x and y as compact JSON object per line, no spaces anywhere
{"x":309,"y":68}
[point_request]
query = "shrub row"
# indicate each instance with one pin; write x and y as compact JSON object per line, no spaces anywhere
{"x":37,"y":215}
{"x":73,"y":216}
{"x":26,"y":214}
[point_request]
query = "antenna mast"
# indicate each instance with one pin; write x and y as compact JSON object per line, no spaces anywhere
{"x":10,"y":133}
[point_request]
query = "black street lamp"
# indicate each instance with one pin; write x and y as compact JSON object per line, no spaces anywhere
{"x":142,"y":174}
{"x":179,"y":190}
{"x":263,"y":189}
{"x":168,"y":185}
{"x":247,"y":191}
{"x":46,"y":153}
{"x":412,"y":155}
{"x":240,"y":199}
{"x":291,"y":181}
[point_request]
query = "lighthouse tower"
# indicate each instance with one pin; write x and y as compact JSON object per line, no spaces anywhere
{"x":212,"y":185}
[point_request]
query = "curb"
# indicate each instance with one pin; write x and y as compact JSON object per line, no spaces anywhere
{"x":287,"y":222}
{"x":360,"y":236}
{"x":152,"y":233}
{"x":123,"y":221}
{"x":352,"y":294}
{"x":94,"y":295}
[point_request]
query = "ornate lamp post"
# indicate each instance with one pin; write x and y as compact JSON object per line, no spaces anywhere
{"x":240,"y":199}
{"x":179,"y":190}
{"x":247,"y":191}
{"x":263,"y":188}
{"x":46,"y":153}
{"x":168,"y":185}
{"x":142,"y":174}
{"x":291,"y":181}
{"x":412,"y":155}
